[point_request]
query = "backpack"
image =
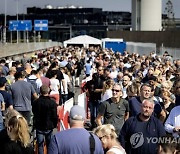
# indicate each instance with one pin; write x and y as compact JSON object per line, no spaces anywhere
{"x":34,"y":84}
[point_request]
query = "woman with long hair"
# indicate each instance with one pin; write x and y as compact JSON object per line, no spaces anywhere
{"x":18,"y":132}
{"x":107,"y":90}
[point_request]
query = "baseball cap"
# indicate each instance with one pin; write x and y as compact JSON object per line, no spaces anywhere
{"x":77,"y":113}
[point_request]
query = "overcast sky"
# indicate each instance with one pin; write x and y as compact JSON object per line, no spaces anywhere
{"x":106,"y":5}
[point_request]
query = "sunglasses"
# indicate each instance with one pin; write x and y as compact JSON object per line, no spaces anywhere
{"x":116,"y":90}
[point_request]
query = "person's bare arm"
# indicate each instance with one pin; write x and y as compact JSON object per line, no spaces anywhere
{"x":126,"y":116}
{"x":98,"y":120}
{"x":35,"y":96}
{"x":2,"y":106}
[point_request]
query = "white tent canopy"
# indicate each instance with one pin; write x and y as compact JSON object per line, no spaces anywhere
{"x":84,"y":40}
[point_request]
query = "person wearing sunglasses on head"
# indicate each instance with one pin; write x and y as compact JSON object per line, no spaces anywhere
{"x":114,"y":110}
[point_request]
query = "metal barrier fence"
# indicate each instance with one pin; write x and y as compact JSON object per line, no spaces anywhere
{"x":140,"y":48}
{"x":174,"y":52}
{"x":146,"y":48}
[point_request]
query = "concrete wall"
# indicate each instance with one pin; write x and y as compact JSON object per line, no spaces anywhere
{"x":20,"y":48}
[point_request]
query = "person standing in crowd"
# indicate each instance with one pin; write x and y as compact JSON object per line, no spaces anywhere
{"x":119,"y":78}
{"x":149,"y":74}
{"x":107,"y":73}
{"x":135,"y":102}
{"x":125,"y":83}
{"x":27,"y":69}
{"x":18,"y":132}
{"x":69,"y":142}
{"x":35,"y":81}
{"x":168,"y":147}
{"x":10,"y":77}
{"x":114,"y":72}
{"x":108,"y":137}
{"x":4,"y":138}
{"x":152,"y":80}
{"x":107,"y":90}
{"x":45,"y":117}
{"x":22,"y":92}
{"x":167,"y":104}
{"x":166,"y":87}
{"x":79,"y":65}
{"x":54,"y":86}
{"x":177,"y":92}
{"x":60,"y":77}
{"x":5,"y":69}
{"x":115,"y":110}
{"x":64,"y":90}
{"x":94,"y":89}
{"x":88,"y":68}
{"x":44,"y":80}
{"x":172,"y":124}
{"x":2,"y":108}
{"x":137,"y":131}
{"x":7,"y":96}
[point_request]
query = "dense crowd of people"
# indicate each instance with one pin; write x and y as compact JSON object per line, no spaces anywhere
{"x":133,"y":101}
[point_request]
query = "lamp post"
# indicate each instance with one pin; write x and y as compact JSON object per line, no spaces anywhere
{"x":24,"y":10}
{"x":5,"y":14}
{"x":17,"y":7}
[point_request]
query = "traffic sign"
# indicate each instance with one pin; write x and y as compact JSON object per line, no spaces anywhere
{"x":20,"y":25}
{"x":13,"y":25}
{"x":41,"y":25}
{"x":25,"y":25}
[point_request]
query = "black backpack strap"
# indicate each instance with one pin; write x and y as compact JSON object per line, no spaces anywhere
{"x":92,"y":143}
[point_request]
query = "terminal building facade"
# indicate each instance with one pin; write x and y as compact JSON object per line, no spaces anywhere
{"x":68,"y":22}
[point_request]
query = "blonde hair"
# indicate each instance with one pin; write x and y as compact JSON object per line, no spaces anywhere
{"x":9,"y":114}
{"x":107,"y":85}
{"x":166,"y":84}
{"x":19,"y":130}
{"x":105,"y":130}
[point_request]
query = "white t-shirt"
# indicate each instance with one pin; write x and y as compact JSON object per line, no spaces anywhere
{"x":54,"y":85}
{"x":107,"y":95}
{"x":117,"y":150}
{"x":66,"y":80}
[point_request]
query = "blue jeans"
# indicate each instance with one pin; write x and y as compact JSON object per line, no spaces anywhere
{"x":93,"y":111}
{"x":64,"y":98}
{"x":40,"y":139}
{"x":1,"y":126}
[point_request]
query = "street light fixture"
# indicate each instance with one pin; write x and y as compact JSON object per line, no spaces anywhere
{"x":5,"y":14}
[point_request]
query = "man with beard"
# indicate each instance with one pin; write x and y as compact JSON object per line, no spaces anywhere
{"x":138,"y":133}
{"x":125,"y":83}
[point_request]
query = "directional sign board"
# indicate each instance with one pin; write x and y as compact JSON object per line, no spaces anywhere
{"x":25,"y":25}
{"x":20,"y":25}
{"x":13,"y":25}
{"x":41,"y":25}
